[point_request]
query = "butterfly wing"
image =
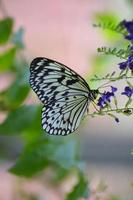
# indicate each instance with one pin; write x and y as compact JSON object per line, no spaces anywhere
{"x":64,"y":93}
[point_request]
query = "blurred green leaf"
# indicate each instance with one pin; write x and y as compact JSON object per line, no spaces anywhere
{"x":66,"y":154}
{"x":130,"y":2}
{"x":7,"y":59}
{"x":60,"y":174}
{"x":106,"y":18}
{"x":46,"y":152}
{"x":81,"y":189}
{"x":6,"y":26}
{"x":99,"y":63}
{"x":33,"y":159}
{"x":18,"y":91}
{"x":20,"y":120}
{"x":113,"y":197}
{"x":17,"y":38}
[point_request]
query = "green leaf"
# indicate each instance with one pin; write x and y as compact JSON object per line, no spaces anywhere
{"x":130,"y":2}
{"x":113,"y":197}
{"x":66,"y":154}
{"x":6,"y":26}
{"x":109,"y":22}
{"x":60,"y":174}
{"x":46,"y":152}
{"x":33,"y":159}
{"x":18,"y":91}
{"x":7,"y":59}
{"x":80,"y":189}
{"x":120,"y":53}
{"x":17,"y":38}
{"x":19,"y":120}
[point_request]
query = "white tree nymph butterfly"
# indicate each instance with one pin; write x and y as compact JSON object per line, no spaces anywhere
{"x":65,"y":95}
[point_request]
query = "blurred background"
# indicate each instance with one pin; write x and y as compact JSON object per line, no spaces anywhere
{"x":63,"y":31}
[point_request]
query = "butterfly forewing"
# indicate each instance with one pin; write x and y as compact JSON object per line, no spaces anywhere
{"x":63,"y":92}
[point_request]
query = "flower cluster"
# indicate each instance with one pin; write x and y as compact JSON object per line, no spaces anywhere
{"x":128,"y":25}
{"x":105,"y":104}
{"x":105,"y":98}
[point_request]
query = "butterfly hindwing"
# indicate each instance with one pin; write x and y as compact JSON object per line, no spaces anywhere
{"x":61,"y":118}
{"x":63,"y":92}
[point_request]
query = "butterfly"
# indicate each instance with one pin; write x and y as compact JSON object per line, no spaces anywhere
{"x":65,"y":95}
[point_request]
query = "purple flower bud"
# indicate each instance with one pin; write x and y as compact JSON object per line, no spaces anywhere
{"x":129,"y":27}
{"x":114,"y":89}
{"x":128,"y":91}
{"x":123,"y":65}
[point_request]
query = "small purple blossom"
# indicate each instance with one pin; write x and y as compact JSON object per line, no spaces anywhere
{"x":106,"y":97}
{"x":113,"y":89}
{"x":128,"y":91}
{"x":123,"y":65}
{"x":127,"y":64}
{"x":129,"y":27}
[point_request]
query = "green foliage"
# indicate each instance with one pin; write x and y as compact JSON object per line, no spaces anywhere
{"x":109,"y":22}
{"x":6,"y":26}
{"x":19,"y":120}
{"x":109,"y":25}
{"x":7,"y":59}
{"x":46,"y":152}
{"x":80,"y":189}
{"x":120,"y":53}
{"x":18,"y":90}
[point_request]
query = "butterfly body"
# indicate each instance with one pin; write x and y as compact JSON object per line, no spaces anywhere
{"x":64,"y":93}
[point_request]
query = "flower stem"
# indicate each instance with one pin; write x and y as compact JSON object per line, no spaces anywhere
{"x":112,"y":79}
{"x":118,"y":110}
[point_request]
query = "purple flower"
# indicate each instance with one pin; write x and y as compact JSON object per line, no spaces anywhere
{"x":102,"y":101}
{"x":123,"y":65}
{"x":128,"y":63}
{"x":114,"y":89}
{"x":129,"y":27}
{"x":128,"y":91}
{"x":106,"y":97}
{"x":131,"y":66}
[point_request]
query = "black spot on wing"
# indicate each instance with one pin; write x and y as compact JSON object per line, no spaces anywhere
{"x":61,"y":78}
{"x":70,"y":82}
{"x":65,"y":93}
